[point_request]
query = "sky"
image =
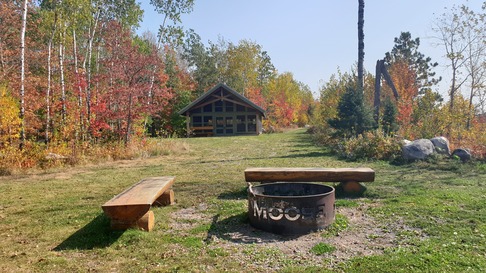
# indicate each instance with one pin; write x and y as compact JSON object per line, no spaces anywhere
{"x":312,"y":39}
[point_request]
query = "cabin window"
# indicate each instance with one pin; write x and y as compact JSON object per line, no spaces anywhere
{"x":229,"y":125}
{"x":251,"y":123}
{"x":240,"y":108}
{"x":208,"y":120}
{"x":196,"y":121}
{"x":208,"y":108}
{"x":218,"y":106}
{"x":241,"y":124}
{"x":219,"y":125}
{"x":229,"y":106}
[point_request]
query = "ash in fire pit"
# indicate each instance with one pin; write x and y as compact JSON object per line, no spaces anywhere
{"x":290,"y":208}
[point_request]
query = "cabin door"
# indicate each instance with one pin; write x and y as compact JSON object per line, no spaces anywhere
{"x":225,"y":125}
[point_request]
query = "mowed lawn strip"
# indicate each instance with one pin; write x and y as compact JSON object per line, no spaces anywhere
{"x":52,"y":221}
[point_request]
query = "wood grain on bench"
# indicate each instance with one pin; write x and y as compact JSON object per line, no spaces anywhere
{"x":309,"y":175}
{"x":131,"y":206}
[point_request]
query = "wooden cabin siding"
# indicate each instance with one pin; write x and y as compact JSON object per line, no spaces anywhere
{"x":222,"y":112}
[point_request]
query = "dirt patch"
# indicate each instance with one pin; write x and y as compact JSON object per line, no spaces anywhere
{"x":364,"y":236}
{"x":189,"y":218}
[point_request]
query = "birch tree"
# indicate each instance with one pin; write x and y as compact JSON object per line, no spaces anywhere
{"x":22,"y":73}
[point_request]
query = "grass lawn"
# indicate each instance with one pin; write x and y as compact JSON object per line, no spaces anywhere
{"x":414,"y":218}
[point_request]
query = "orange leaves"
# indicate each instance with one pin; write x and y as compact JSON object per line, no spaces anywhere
{"x":404,"y":78}
{"x":255,"y":95}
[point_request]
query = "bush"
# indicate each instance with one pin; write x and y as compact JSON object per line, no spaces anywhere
{"x":370,"y":145}
{"x":37,"y":155}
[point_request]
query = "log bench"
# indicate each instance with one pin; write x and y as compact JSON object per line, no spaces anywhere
{"x":349,"y":178}
{"x":202,"y":130}
{"x":131,"y":208}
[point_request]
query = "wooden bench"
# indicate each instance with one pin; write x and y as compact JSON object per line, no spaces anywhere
{"x":349,"y":178}
{"x":131,"y":208}
{"x":202,"y":130}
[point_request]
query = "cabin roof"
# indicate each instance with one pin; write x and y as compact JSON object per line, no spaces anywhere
{"x":215,"y":89}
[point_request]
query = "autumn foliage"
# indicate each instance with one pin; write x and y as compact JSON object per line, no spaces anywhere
{"x":92,"y":84}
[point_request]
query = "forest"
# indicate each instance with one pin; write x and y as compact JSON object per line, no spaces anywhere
{"x":77,"y":82}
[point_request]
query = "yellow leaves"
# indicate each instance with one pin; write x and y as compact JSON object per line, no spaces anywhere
{"x":9,"y":118}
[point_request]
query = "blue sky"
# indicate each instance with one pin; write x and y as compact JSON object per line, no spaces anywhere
{"x":313,"y":38}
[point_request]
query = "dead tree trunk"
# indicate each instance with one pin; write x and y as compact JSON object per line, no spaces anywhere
{"x":381,"y":70}
{"x":360,"y":44}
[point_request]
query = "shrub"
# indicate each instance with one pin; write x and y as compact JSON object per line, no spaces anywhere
{"x":370,"y":145}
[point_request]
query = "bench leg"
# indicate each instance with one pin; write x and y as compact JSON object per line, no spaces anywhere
{"x":352,"y":187}
{"x":146,"y":222}
{"x":167,"y":198}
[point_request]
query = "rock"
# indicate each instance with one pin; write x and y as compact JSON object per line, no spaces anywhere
{"x":405,"y":142}
{"x":418,"y":149}
{"x":463,"y":154}
{"x":441,"y":145}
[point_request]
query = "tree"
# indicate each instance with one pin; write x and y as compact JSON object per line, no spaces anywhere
{"x":129,"y":67}
{"x":244,"y":63}
{"x":461,"y":32}
{"x":353,"y":117}
{"x":404,"y":79}
{"x":22,"y":74}
{"x":425,"y":116}
{"x":10,"y":27}
{"x":389,"y":122}
{"x":406,"y":49}
{"x":171,"y":33}
{"x":9,"y":119}
{"x":474,"y":34}
{"x":449,"y":26}
{"x":360,"y":44}
{"x":202,"y":64}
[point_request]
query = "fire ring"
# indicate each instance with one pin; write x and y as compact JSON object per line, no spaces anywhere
{"x":291,"y":208}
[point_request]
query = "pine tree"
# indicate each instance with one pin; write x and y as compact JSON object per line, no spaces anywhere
{"x":389,"y":122}
{"x":354,"y":117}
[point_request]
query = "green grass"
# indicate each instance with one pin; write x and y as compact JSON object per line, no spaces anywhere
{"x":322,"y":248}
{"x":52,"y":221}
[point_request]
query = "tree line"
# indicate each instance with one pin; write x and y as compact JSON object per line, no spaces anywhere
{"x":413,"y":108}
{"x":74,"y":74}
{"x":80,"y":75}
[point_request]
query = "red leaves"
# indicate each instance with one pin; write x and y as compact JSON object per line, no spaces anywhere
{"x":129,"y":92}
{"x":404,"y":79}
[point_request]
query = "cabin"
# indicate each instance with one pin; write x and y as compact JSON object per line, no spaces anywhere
{"x":222,"y":111}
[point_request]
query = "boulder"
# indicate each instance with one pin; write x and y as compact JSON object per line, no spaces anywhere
{"x":441,"y":145}
{"x":418,"y":149}
{"x":405,"y":142}
{"x":463,"y":154}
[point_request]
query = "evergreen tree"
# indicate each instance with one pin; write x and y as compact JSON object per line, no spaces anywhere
{"x":354,"y":117}
{"x":406,"y":49}
{"x":389,"y":122}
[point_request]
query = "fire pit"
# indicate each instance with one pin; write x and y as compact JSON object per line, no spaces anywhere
{"x":290,"y":208}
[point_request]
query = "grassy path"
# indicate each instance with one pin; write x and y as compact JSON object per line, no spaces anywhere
{"x":419,"y":217}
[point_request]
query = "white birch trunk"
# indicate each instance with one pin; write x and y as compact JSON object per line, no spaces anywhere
{"x":61,"y":71}
{"x":78,"y":82}
{"x":48,"y":91}
{"x":22,"y":75}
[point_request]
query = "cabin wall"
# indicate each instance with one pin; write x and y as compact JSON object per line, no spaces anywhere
{"x":225,"y":118}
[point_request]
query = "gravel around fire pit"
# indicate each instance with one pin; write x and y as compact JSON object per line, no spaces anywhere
{"x":364,"y":236}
